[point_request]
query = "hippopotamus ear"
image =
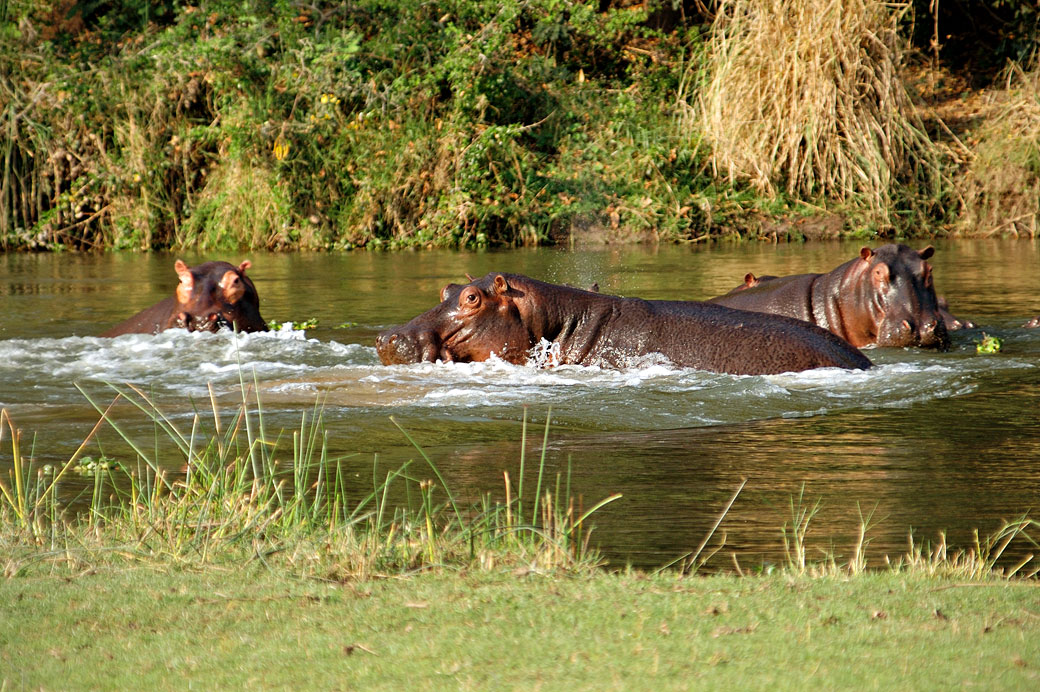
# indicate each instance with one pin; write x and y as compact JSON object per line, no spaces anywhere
{"x":750,"y":280}
{"x":501,"y":285}
{"x":880,"y":275}
{"x":866,"y":253}
{"x":187,"y":281}
{"x":926,"y":252}
{"x":232,"y":287}
{"x":246,"y":264}
{"x":444,"y":291}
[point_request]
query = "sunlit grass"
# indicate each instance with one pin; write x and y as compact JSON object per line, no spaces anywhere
{"x":228,"y":491}
{"x":242,"y":494}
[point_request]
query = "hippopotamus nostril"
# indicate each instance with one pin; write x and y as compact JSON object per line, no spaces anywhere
{"x":907,"y":326}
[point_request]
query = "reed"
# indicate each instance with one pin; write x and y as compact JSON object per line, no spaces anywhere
{"x":805,"y":96}
{"x":1001,"y":187}
{"x":241,"y":494}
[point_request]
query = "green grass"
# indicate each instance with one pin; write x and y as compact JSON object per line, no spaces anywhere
{"x":234,"y":492}
{"x":256,"y":567}
{"x":256,"y":628}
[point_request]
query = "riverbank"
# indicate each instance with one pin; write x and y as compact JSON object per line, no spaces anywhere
{"x":260,"y":564}
{"x":169,"y":626}
{"x":223,"y":126}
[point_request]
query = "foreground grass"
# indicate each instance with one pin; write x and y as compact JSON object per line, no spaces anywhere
{"x":260,"y":566}
{"x":170,"y":628}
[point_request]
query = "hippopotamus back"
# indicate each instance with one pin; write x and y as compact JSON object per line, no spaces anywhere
{"x":507,"y":314}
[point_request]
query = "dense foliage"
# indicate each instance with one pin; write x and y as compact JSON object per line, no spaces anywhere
{"x":375,"y":123}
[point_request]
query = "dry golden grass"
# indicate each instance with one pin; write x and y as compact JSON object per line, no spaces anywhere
{"x":805,"y":95}
{"x":1001,"y":188}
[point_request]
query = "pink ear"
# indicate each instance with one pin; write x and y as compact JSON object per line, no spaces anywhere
{"x":501,"y":285}
{"x":469,"y":278}
{"x":184,"y":273}
{"x":749,"y":279}
{"x":187,"y":283}
{"x":866,"y":253}
{"x":233,"y":287}
{"x":926,"y":252}
{"x":246,"y":264}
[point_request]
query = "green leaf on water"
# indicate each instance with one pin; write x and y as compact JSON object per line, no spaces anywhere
{"x":989,"y":344}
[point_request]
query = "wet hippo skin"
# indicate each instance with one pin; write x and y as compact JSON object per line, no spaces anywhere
{"x":209,"y":296}
{"x":883,"y":297}
{"x":508,"y":314}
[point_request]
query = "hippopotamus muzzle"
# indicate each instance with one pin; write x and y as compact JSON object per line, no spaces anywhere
{"x":401,"y":346}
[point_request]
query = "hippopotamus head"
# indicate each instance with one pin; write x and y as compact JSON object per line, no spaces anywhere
{"x":472,"y":322}
{"x":214,"y":295}
{"x":902,"y":297}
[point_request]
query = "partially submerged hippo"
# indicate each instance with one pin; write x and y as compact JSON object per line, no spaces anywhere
{"x":883,"y":297}
{"x":209,"y":296}
{"x":508,"y":314}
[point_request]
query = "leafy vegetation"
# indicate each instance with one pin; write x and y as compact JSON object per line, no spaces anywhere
{"x":283,"y":124}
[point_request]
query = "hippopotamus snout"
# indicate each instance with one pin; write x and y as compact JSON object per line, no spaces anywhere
{"x":928,"y":333}
{"x":400,"y":346}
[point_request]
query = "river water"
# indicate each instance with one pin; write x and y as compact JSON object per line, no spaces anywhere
{"x":927,"y":443}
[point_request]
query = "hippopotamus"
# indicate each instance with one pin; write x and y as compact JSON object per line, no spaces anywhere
{"x":953,"y":323}
{"x":508,"y":315}
{"x":209,"y":296}
{"x":883,"y":297}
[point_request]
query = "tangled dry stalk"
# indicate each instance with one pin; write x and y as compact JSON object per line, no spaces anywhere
{"x":1001,"y":188}
{"x":806,"y":96}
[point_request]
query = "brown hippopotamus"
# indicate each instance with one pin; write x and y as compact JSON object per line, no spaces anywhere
{"x":209,"y":296}
{"x":883,"y":297}
{"x":953,"y":323}
{"x":508,"y":314}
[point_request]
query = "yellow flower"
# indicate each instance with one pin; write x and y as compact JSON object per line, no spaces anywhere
{"x":281,"y":149}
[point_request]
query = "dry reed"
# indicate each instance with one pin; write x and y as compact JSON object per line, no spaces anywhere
{"x":1001,"y":188}
{"x":806,"y":95}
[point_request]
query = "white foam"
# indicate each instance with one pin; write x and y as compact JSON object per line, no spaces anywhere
{"x":651,"y":393}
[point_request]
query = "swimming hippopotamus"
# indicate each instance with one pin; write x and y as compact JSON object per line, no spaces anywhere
{"x":883,"y":297}
{"x":209,"y":296}
{"x":508,"y":315}
{"x":952,"y":323}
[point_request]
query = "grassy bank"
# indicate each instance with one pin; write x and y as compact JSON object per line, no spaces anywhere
{"x":168,"y":627}
{"x":281,"y":124}
{"x":226,"y":554}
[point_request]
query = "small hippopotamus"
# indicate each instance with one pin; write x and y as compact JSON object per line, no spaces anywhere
{"x":509,"y":314}
{"x":883,"y":297}
{"x":209,"y":296}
